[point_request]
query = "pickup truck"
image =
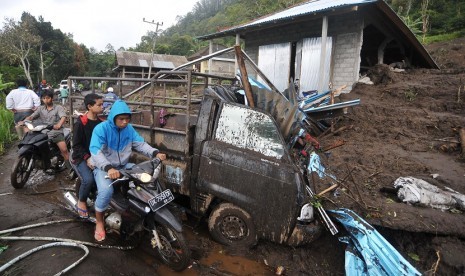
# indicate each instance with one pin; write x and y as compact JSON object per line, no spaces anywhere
{"x":234,"y":165}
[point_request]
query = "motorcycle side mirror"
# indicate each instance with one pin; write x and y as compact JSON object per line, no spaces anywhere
{"x":156,"y":167}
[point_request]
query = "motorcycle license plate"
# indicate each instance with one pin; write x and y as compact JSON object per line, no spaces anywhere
{"x":161,"y":200}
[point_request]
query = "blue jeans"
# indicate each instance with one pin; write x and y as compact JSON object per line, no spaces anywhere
{"x":87,"y":179}
{"x":105,"y":191}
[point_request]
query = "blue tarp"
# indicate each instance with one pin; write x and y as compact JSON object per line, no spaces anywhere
{"x":368,"y":253}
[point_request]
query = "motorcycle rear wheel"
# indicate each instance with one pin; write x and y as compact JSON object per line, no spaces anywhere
{"x":173,"y":251}
{"x":20,"y":173}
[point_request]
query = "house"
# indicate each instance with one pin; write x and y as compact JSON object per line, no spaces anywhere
{"x":137,"y":65}
{"x":221,"y":65}
{"x":356,"y":35}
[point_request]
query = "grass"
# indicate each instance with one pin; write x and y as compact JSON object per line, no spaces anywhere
{"x":410,"y":95}
{"x":442,"y":37}
{"x":6,"y":123}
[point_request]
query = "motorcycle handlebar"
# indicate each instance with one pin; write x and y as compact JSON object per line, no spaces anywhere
{"x":156,"y":162}
{"x":123,"y":178}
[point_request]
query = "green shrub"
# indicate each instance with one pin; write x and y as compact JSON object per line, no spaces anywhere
{"x":442,"y":37}
{"x":6,"y":123}
{"x":410,"y":95}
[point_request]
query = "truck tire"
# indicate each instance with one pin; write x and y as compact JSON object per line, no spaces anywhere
{"x":231,"y":225}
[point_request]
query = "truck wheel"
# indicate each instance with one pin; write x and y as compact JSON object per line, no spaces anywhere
{"x":230,"y":225}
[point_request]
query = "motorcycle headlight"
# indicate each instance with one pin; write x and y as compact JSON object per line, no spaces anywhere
{"x":144,"y":177}
{"x":29,"y":125}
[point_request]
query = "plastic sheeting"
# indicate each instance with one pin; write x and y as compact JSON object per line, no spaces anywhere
{"x":368,"y":253}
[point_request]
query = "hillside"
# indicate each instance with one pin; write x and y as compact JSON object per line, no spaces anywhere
{"x":399,"y":130}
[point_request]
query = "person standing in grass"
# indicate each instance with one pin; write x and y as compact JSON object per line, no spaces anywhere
{"x":22,"y":102}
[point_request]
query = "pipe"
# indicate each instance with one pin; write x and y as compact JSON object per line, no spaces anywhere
{"x":24,"y":255}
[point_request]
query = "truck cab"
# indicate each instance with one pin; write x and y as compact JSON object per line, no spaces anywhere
{"x":246,"y":177}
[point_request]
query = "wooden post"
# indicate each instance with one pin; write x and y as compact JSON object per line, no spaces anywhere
{"x":324,"y":36}
{"x":238,"y":42}
{"x":244,"y":76}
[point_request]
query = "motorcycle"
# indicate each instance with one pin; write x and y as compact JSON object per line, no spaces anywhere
{"x":140,"y":203}
{"x":37,"y":151}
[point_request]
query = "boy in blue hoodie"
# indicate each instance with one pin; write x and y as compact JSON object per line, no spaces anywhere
{"x":110,"y":147}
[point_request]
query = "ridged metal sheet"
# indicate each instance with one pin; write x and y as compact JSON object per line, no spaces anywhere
{"x":137,"y":59}
{"x":310,"y":66}
{"x":287,"y":115}
{"x":274,"y":61}
{"x":306,"y":8}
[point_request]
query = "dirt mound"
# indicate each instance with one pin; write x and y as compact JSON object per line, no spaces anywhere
{"x":403,"y":127}
{"x":448,"y":54}
{"x":380,"y":74}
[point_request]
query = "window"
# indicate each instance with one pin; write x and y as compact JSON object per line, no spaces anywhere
{"x":249,"y":129}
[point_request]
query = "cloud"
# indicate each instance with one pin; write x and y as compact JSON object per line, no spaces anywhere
{"x":98,"y":23}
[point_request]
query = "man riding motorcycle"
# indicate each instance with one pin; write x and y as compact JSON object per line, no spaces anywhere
{"x":110,"y":147}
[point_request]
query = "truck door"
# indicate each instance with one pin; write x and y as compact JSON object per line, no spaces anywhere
{"x":246,"y":163}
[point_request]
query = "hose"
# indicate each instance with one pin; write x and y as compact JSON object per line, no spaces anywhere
{"x":24,"y":255}
{"x":34,"y":225}
{"x":56,"y":242}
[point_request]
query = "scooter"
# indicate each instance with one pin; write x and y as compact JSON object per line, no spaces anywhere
{"x":140,"y":203}
{"x":37,"y":151}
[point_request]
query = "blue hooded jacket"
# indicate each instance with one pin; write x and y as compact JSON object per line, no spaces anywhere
{"x":111,"y":146}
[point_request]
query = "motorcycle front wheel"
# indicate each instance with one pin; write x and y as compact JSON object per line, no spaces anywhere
{"x":173,"y":249}
{"x":21,"y":171}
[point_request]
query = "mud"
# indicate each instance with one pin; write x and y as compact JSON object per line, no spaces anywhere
{"x":398,"y":130}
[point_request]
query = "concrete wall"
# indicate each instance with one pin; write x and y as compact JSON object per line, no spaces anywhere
{"x":221,"y":67}
{"x":347,"y":33}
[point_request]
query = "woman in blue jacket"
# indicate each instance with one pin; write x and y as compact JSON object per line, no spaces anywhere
{"x":111,"y":146}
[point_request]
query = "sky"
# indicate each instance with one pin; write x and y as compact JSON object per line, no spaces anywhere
{"x":95,"y":23}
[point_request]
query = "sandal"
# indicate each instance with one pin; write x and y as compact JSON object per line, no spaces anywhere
{"x":81,"y":212}
{"x":99,"y":236}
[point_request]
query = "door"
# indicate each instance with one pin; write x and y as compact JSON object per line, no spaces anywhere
{"x":275,"y":62}
{"x":308,"y":65}
{"x":245,"y":164}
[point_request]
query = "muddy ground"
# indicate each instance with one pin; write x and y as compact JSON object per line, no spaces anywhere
{"x":396,"y":131}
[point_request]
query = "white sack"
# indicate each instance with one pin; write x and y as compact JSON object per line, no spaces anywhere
{"x":417,"y":191}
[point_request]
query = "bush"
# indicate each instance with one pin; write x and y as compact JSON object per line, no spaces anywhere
{"x":442,"y":37}
{"x":6,"y":123}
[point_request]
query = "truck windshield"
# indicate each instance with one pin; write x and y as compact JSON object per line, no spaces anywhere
{"x":249,"y":129}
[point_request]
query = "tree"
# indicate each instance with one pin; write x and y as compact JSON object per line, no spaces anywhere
{"x":17,"y":42}
{"x":424,"y":18}
{"x":5,"y":85}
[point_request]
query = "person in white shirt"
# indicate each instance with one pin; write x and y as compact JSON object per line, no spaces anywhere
{"x":22,"y":102}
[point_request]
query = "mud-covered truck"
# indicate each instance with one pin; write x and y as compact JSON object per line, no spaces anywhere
{"x":234,"y":164}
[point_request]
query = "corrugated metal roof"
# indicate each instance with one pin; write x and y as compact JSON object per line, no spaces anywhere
{"x":302,"y":9}
{"x":163,"y":64}
{"x":306,"y":8}
{"x":137,"y":59}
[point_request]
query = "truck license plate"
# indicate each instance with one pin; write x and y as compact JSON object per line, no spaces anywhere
{"x":161,"y":200}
